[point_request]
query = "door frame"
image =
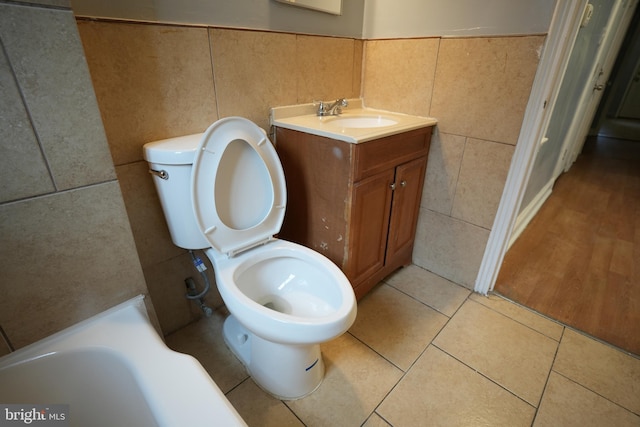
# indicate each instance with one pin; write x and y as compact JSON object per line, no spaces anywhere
{"x":563,"y":30}
{"x":564,"y":27}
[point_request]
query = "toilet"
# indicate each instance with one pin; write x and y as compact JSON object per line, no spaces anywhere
{"x":224,"y":191}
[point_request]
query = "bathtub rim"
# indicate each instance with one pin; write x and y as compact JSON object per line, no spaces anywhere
{"x":154,"y":365}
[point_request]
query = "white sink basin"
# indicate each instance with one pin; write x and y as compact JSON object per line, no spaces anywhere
{"x":361,"y":122}
{"x":356,"y":124}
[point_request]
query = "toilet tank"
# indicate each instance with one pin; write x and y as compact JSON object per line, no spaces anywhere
{"x":170,"y":161}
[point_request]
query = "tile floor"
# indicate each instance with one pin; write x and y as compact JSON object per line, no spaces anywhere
{"x":427,"y":352}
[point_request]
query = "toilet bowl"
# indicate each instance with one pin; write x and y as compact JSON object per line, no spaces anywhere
{"x":224,"y":191}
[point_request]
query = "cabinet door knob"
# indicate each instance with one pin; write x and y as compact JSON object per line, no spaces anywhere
{"x":403,"y":183}
{"x":392,"y":186}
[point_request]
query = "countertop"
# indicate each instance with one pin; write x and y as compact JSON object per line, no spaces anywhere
{"x":304,"y":119}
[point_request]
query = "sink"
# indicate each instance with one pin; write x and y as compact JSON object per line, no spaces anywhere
{"x":361,"y":122}
{"x":356,"y":124}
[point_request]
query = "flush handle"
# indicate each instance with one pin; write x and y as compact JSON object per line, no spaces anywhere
{"x":163,"y":174}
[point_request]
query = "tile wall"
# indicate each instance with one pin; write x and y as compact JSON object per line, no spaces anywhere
{"x":155,"y":81}
{"x":478,"y":89}
{"x":66,"y":247}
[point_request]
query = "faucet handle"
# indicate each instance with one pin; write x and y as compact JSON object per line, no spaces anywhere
{"x":330,"y":108}
{"x":342,"y":102}
{"x":321,"y":107}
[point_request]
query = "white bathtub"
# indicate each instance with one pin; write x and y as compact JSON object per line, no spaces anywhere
{"x":114,"y":370}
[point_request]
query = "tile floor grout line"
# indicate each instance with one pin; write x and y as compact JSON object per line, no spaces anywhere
{"x":284,"y":402}
{"x":600,"y":341}
{"x":519,"y":322}
{"x":485,"y":376}
{"x":544,"y":316}
{"x":470,"y":297}
{"x":450,"y":318}
{"x":426,"y":304}
{"x":381,"y":417}
{"x":377,"y":353}
{"x":595,"y":392}
{"x":237,"y":385}
{"x":396,"y":383}
{"x":546,"y":382}
{"x":405,"y":373}
{"x":564,"y":326}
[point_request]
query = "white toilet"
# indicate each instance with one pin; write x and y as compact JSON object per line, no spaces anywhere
{"x":224,"y":190}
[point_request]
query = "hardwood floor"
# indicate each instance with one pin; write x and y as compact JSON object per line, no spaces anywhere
{"x":578,"y":261}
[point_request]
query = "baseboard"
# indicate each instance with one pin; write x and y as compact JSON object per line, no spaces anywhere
{"x":528,"y":213}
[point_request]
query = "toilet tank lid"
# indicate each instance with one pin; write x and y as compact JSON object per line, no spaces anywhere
{"x":180,"y":150}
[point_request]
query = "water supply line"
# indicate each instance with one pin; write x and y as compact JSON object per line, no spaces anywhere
{"x":191,"y":285}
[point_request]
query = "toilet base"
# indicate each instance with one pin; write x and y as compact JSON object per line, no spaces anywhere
{"x":287,"y":372}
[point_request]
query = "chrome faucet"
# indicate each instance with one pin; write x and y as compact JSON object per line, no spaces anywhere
{"x":333,"y":109}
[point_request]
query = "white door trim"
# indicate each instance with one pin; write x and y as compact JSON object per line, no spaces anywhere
{"x":562,"y":34}
{"x":530,"y":211}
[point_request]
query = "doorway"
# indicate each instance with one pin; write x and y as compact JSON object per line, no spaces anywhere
{"x":577,"y":261}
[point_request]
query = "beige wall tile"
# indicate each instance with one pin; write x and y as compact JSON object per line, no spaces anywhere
{"x":152,"y":82}
{"x":601,"y":368}
{"x":509,"y":353}
{"x":399,"y":74}
{"x":253,"y":71}
{"x":65,"y":257}
{"x":57,"y":3}
{"x":23,"y":170}
{"x":43,"y":47}
{"x":4,"y":345}
{"x":449,"y":247}
{"x":147,"y":220}
{"x":395,"y":325}
{"x":482,"y":85}
{"x":358,"y":67}
{"x":566,"y":403}
{"x":443,"y":169}
{"x":439,"y":390}
{"x":483,"y":172}
{"x":476,"y":88}
{"x":325,"y":68}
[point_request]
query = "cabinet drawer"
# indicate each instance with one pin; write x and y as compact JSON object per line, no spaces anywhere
{"x":380,"y":154}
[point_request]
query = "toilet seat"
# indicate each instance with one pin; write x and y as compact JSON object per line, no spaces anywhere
{"x":237,"y":186}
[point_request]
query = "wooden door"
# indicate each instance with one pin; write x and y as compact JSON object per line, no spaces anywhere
{"x":404,"y":211}
{"x":371,"y":204}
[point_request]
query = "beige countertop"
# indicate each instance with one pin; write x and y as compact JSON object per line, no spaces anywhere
{"x":383,"y":123}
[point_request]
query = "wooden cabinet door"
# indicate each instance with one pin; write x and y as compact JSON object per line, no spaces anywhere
{"x":404,"y":211}
{"x":370,"y":208}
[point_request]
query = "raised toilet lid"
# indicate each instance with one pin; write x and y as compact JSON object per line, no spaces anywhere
{"x":237,"y":186}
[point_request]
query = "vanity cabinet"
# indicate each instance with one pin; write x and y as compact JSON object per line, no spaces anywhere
{"x":357,"y":204}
